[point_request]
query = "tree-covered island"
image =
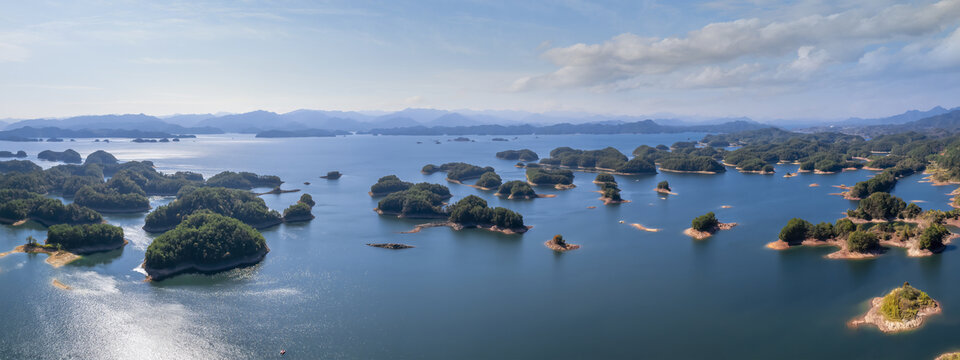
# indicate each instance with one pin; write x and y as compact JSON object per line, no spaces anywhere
{"x":301,"y":211}
{"x":239,"y":204}
{"x":473,"y":212}
{"x":880,"y":220}
{"x":561,"y":179}
{"x":85,"y":239}
{"x":458,"y":172}
{"x":522,"y":155}
{"x":518,"y":190}
{"x":204,"y":242}
{"x":67,"y":156}
{"x":704,"y":226}
{"x":902,"y":309}
{"x":423,"y":200}
{"x":604,"y":160}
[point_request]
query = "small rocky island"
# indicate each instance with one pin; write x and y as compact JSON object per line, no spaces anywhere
{"x":332,"y":175}
{"x":610,"y":193}
{"x":663,"y":187}
{"x":559,"y":244}
{"x":204,"y":242}
{"x":903,"y":309}
{"x":301,"y":211}
{"x":704,"y":226}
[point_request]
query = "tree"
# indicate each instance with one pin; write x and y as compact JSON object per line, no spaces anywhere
{"x":822,"y":231}
{"x":705,"y":222}
{"x":932,"y":237}
{"x":307,"y":199}
{"x":663,"y":185}
{"x":880,"y":205}
{"x":795,"y":231}
{"x":558,"y":239}
{"x":911,"y":211}
{"x":31,"y":241}
{"x":862,"y":241}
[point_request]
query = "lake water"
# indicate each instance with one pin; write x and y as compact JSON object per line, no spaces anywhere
{"x":321,"y":293}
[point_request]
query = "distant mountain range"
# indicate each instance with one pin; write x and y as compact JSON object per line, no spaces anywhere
{"x":436,"y":122}
{"x":638,"y":127}
{"x":858,"y":126}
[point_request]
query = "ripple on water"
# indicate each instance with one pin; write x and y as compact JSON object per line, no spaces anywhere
{"x":133,"y":326}
{"x":137,"y":237}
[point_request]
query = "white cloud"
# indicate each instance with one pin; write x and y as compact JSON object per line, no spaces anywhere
{"x":172,"y":61}
{"x":818,"y":40}
{"x":13,"y":53}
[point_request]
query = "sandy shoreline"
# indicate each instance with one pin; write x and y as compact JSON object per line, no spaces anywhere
{"x":556,"y":186}
{"x":56,"y":283}
{"x":665,"y":191}
{"x":690,"y":172}
{"x":608,"y":201}
{"x":400,"y":216}
{"x":556,"y":247}
{"x":644,"y":228}
{"x":511,"y":197}
{"x":55,"y":258}
{"x":701,"y":235}
{"x":458,"y":227}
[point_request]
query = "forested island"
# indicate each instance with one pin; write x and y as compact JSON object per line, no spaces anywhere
{"x":67,"y":156}
{"x":880,"y":219}
{"x":518,"y":190}
{"x":704,"y":226}
{"x":473,"y":212}
{"x":458,"y":171}
{"x":240,"y":204}
{"x":609,"y":190}
{"x":85,"y":239}
{"x":204,"y":242}
{"x":423,"y":201}
{"x":7,"y":154}
{"x":560,"y":179}
{"x":301,"y":211}
{"x":388,"y":184}
{"x":522,"y":155}
{"x":606,"y":160}
{"x":902,"y":309}
{"x":17,"y":206}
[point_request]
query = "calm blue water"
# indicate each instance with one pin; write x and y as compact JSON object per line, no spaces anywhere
{"x":626,"y":293}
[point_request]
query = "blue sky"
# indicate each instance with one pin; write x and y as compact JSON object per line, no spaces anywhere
{"x":757,"y":58}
